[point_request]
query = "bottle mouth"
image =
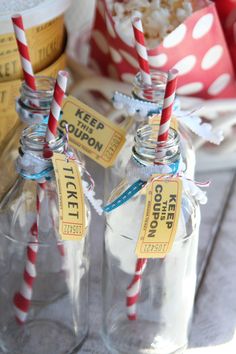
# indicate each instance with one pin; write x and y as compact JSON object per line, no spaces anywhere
{"x":154,"y":92}
{"x":148,"y":150}
{"x":44,"y":88}
{"x":33,"y":140}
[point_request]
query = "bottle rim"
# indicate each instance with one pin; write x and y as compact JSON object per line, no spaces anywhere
{"x":45,"y":88}
{"x":147,"y":149}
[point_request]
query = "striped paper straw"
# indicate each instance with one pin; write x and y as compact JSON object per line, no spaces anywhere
{"x":142,"y":55}
{"x":133,"y":290}
{"x":141,"y":50}
{"x":22,"y":299}
{"x":167,"y":105}
{"x":55,"y":110}
{"x":23,"y":51}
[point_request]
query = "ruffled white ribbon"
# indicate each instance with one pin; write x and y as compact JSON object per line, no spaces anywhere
{"x":142,"y":109}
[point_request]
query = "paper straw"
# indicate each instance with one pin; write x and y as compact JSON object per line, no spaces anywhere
{"x":142,"y":55}
{"x":167,"y":105}
{"x":22,"y":299}
{"x":23,"y":51}
{"x":55,"y":110}
{"x":133,"y":290}
{"x":141,"y":50}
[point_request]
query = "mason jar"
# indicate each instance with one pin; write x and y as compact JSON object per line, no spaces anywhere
{"x":163,"y":306}
{"x":152,"y":93}
{"x":43,"y":279}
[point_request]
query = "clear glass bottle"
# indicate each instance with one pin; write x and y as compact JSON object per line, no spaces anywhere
{"x":57,"y":319}
{"x":156,"y":92}
{"x":165,"y":303}
{"x":32,"y":107}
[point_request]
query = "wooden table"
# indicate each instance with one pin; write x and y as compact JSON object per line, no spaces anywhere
{"x":214,"y":322}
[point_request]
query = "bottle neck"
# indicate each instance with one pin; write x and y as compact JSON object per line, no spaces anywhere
{"x":152,"y":93}
{"x":33,"y":141}
{"x":147,"y":151}
{"x":33,"y":107}
{"x":32,"y":162}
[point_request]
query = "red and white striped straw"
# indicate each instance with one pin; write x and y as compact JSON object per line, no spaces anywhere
{"x":133,"y":290}
{"x":23,"y":298}
{"x":23,"y":51}
{"x":141,"y":50}
{"x":167,"y":105}
{"x":59,"y":92}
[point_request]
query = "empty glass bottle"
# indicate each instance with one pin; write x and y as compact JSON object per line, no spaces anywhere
{"x":43,"y":280}
{"x":165,"y":303}
{"x":155,"y":95}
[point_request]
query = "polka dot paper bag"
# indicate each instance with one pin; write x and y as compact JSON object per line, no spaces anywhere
{"x":197,"y":48}
{"x":227,"y":13}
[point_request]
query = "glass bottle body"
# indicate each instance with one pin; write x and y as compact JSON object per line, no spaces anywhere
{"x":115,"y":173}
{"x":165,"y":303}
{"x":57,"y":318}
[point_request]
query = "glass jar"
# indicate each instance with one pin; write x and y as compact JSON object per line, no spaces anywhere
{"x":43,"y":280}
{"x":32,"y":107}
{"x":156,"y":92}
{"x":165,"y":303}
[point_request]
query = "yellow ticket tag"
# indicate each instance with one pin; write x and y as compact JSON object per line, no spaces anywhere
{"x":91,"y":133}
{"x":71,"y":198}
{"x":161,"y":216}
{"x":155,"y":119}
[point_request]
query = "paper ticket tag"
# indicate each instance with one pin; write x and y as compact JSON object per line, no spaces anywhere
{"x":91,"y":133}
{"x":161,"y":216}
{"x":155,"y":119}
{"x":71,"y":198}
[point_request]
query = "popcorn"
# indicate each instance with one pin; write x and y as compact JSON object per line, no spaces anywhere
{"x":159,"y":17}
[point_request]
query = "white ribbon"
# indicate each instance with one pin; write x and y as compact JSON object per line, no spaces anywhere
{"x":142,"y":109}
{"x":90,"y":195}
{"x":198,"y":127}
{"x":32,"y":164}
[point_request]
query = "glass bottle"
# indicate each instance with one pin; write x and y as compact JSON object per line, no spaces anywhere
{"x":32,"y":107}
{"x":165,"y":303}
{"x":57,"y":319}
{"x":156,"y":92}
